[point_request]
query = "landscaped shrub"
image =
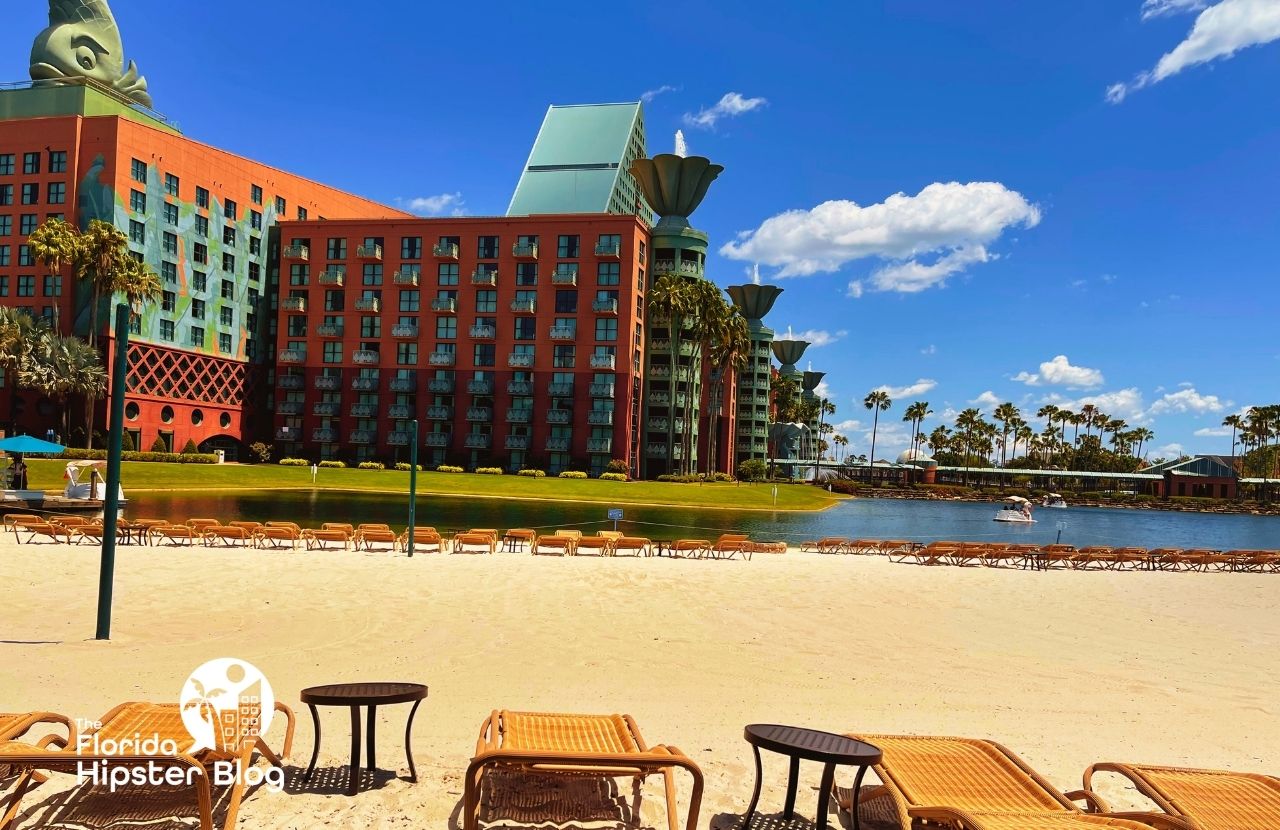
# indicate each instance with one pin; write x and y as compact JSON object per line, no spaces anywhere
{"x":372,"y":465}
{"x":533,"y":474}
{"x":753,"y":469}
{"x":617,"y":465}
{"x":126,"y":443}
{"x":613,"y":476}
{"x":448,"y":468}
{"x":333,"y":465}
{"x":294,"y":462}
{"x":405,"y":466}
{"x":159,"y":445}
{"x":671,"y":478}
{"x":167,"y":457}
{"x":190,"y":448}
{"x":260,"y":451}
{"x":721,"y":477}
{"x":844,"y":488}
{"x":573,"y":474}
{"x":489,"y":471}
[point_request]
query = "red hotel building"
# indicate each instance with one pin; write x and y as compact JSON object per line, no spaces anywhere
{"x":512,"y":340}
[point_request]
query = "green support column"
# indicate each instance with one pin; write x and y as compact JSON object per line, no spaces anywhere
{"x":111,"y":504}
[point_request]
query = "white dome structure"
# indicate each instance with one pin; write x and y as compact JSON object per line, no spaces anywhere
{"x":916,"y":458}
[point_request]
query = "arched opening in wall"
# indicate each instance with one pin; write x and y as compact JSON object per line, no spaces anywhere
{"x":230,"y":447}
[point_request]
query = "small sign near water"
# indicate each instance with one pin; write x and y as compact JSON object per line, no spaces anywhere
{"x":615,"y":514}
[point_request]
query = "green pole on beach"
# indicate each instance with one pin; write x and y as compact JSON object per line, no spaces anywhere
{"x":413,"y":480}
{"x":111,"y":504}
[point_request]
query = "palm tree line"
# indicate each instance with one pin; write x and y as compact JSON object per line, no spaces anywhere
{"x":1256,"y":431}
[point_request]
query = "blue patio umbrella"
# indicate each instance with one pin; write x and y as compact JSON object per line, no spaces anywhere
{"x":25,"y":444}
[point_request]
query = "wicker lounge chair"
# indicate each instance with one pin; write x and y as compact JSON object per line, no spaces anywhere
{"x":249,"y":526}
{"x":695,"y":548}
{"x":46,"y":532}
{"x":574,"y":745}
{"x":227,"y":535}
{"x":1258,"y":561}
{"x":473,"y":542}
{"x":277,"y":537}
{"x":14,"y":520}
{"x":554,"y":543}
{"x":425,"y":540}
{"x":834,"y":544}
{"x":1204,"y":799}
{"x":968,"y":784}
{"x":768,"y":547}
{"x":15,"y":727}
{"x":138,"y":721}
{"x":369,"y":538}
{"x":635,"y":545}
{"x":593,"y":545}
{"x":173,"y":535}
{"x":201,"y":524}
{"x":730,"y":545}
{"x":518,"y":538}
{"x":323,"y":538}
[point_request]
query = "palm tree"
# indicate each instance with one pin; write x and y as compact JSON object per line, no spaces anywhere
{"x":916,"y":413}
{"x":969,"y":424}
{"x":670,"y":297}
{"x":841,"y":442}
{"x":100,"y":260}
{"x":55,"y":244}
{"x":139,"y":284}
{"x":65,"y":366}
{"x":877,"y":401}
{"x":1024,"y":434}
{"x":1142,"y":435}
{"x":728,"y":355}
{"x":1236,"y":423}
{"x":1006,"y":413}
{"x":1089,"y":417}
{"x":939,"y":439}
{"x":20,"y":334}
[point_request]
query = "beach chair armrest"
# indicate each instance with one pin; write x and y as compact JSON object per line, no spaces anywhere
{"x":1160,"y":821}
{"x":949,"y":816}
{"x":1093,"y":803}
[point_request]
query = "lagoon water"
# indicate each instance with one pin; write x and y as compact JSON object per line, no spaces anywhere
{"x":922,"y":521}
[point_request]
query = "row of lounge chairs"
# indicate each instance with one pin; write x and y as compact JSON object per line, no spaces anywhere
{"x":957,"y":783}
{"x":999,"y":554}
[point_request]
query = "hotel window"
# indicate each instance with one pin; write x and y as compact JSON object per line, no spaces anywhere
{"x":137,"y":232}
{"x":4,"y":255}
{"x":169,"y":273}
{"x":255,"y":194}
{"x":200,"y":281}
{"x":166,"y":331}
{"x":484,"y":354}
{"x":562,"y":356}
{"x":411,"y":247}
{"x":280,"y":206}
{"x":526,"y":273}
{"x":170,"y":243}
{"x":26,"y":286}
{"x":25,"y":257}
{"x":255,"y":246}
{"x":197,"y":337}
{"x":202,"y":225}
{"x":251,"y":298}
{"x":228,"y":290}
{"x":170,"y":213}
{"x":31,"y":194}
{"x":487,"y":247}
{"x":407,"y":354}
{"x":225,"y":316}
{"x":31,"y":163}
{"x":137,"y":201}
{"x":200,"y":253}
{"x":526,"y":328}
{"x":370,"y":327}
{"x":567,"y":247}
{"x":610,"y":241}
{"x":447,"y":273}
{"x":336,"y":249}
{"x":302,"y":214}
{"x":334,"y":300}
{"x":331,"y":351}
{"x":298,"y":274}
{"x":255,"y":220}
{"x":170,"y":184}
{"x":446,"y":328}
{"x":138,"y":169}
{"x":6,"y":225}
{"x":570,"y":323}
{"x":607,"y":273}
{"x":6,"y":194}
{"x":566,"y":302}
{"x":410,"y":300}
{"x":57,"y":194}
{"x":6,"y":164}
{"x":197,"y":309}
{"x":255,"y":272}
{"x":168,"y":301}
{"x":231,"y":210}
{"x":372,"y":274}
{"x":229,"y":262}
{"x":4,"y":286}
{"x":606,"y":328}
{"x":53,"y":286}
{"x":57,"y":161}
{"x":228,"y":236}
{"x":486,"y":301}
{"x":297,"y":325}
{"x":202,"y":198}
{"x":224,"y":343}
{"x":28,"y":224}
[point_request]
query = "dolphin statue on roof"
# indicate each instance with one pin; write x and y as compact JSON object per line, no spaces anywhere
{"x":83,"y":41}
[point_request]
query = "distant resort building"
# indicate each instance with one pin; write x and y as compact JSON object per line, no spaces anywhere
{"x":1204,"y":476}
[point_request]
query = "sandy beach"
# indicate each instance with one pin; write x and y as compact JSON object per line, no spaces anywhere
{"x":1065,"y":668}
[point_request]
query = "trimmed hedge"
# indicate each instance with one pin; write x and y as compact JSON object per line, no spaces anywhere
{"x":533,"y":473}
{"x":489,"y":471}
{"x":448,"y":468}
{"x":573,"y":474}
{"x":166,"y":457}
{"x":294,"y":462}
{"x":333,"y":465}
{"x":372,"y":465}
{"x":613,"y":476}
{"x":405,"y":466}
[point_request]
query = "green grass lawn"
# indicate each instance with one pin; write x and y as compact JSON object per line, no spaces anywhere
{"x":47,"y":475}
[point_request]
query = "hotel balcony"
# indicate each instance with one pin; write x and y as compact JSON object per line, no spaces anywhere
{"x":408,"y":384}
{"x":604,"y":361}
{"x":659,"y":345}
{"x":294,"y":303}
{"x":605,"y":306}
{"x":656,"y":450}
{"x":301,"y":252}
{"x":483,"y":332}
{"x":668,"y":266}
{"x":398,"y":439}
{"x":362,"y":436}
{"x":564,"y":277}
{"x":291,"y":356}
{"x":449,"y":304}
{"x":440,"y":386}
{"x":480,"y":386}
{"x":365,"y":384}
{"x":405,"y":278}
{"x":659,"y":399}
{"x":602,"y":390}
{"x":291,"y":382}
{"x":447,"y":250}
{"x":438,"y":439}
{"x":519,"y":416}
{"x":288,"y":434}
{"x":600,"y":418}
{"x":658,"y":424}
{"x":528,"y":251}
{"x":480,"y":414}
{"x":439,"y":413}
{"x":324,"y":436}
{"x":442,"y":358}
{"x":753,"y":432}
{"x":364,"y":410}
{"x":365,"y":357}
{"x":609,"y":250}
{"x":560,"y":389}
{"x":517,"y":442}
{"x":327,"y":383}
{"x":479,"y":277}
{"x":289,"y":408}
{"x":562,"y":333}
{"x":369,"y":252}
{"x":524,"y":306}
{"x":520,"y":361}
{"x":599,"y":445}
{"x":557,"y":444}
{"x":478,"y":441}
{"x":326,"y":409}
{"x":368,"y":304}
{"x":400,"y":412}
{"x":522,"y":388}
{"x":329,"y":331}
{"x":558,"y":416}
{"x":331,"y":278}
{"x":405,"y":332}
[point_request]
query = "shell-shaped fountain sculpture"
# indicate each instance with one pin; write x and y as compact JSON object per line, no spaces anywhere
{"x":789,"y":353}
{"x":754,"y":301}
{"x":675,"y":185}
{"x":809,"y":380}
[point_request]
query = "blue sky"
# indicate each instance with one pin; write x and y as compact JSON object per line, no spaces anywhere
{"x":971,"y":202}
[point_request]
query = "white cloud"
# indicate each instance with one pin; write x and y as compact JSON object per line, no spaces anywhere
{"x":1122,"y":403}
{"x":1060,"y":372}
{"x":910,"y":390}
{"x":923,"y":239}
{"x":987,"y":400}
{"x":1220,"y":31}
{"x":649,"y":94}
{"x":1189,"y":400}
{"x":929,"y":350}
{"x":848,"y":427}
{"x":1169,"y":451}
{"x":1165,"y":8}
{"x":1213,"y":432}
{"x":730,"y":105}
{"x":818,"y":337}
{"x":437,"y":205}
{"x":823,"y":390}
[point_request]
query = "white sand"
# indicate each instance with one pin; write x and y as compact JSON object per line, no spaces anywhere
{"x":1065,"y":668}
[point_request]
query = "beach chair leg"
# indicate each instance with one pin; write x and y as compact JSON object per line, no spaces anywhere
{"x":669,"y":782}
{"x":9,"y":820}
{"x":233,"y":802}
